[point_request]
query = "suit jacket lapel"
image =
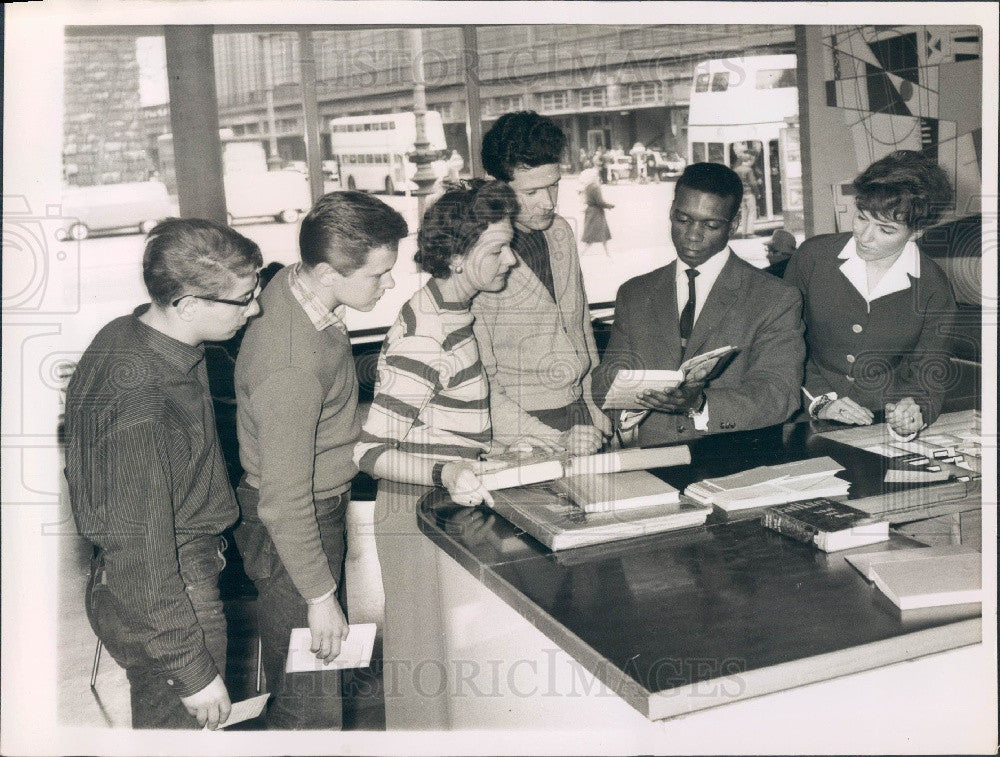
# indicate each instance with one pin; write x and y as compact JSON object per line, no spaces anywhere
{"x":720,"y":301}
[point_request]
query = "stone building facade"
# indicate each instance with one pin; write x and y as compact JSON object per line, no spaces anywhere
{"x":104,"y":133}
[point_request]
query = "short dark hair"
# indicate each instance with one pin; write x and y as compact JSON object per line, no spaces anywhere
{"x":713,"y":178}
{"x":905,"y":187}
{"x":343,"y":227}
{"x":521,"y":140}
{"x":195,"y":256}
{"x":454,"y":223}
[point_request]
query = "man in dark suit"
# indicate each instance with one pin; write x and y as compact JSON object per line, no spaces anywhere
{"x":708,"y":298}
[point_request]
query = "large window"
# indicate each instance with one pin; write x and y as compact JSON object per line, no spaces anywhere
{"x":364,"y":81}
{"x":593,"y":97}
{"x":550,"y":101}
{"x":646,"y":92}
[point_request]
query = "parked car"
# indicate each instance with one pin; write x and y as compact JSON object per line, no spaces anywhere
{"x":665,"y":165}
{"x":137,"y":205}
{"x":282,"y":195}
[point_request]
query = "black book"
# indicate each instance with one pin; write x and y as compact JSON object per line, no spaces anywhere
{"x":829,"y":525}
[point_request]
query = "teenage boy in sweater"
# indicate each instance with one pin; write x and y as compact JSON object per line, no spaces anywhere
{"x":297,"y":420}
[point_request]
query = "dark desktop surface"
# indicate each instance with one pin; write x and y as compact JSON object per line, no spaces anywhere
{"x":673,"y":609}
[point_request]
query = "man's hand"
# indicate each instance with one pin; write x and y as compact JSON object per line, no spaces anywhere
{"x":582,"y":440}
{"x":328,"y":627}
{"x":680,"y":400}
{"x":211,"y":705}
{"x":904,"y":417}
{"x":846,"y":410}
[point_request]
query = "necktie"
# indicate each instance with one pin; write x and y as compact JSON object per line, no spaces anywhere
{"x":687,"y":314}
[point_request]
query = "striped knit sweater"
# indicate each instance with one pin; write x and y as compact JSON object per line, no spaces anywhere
{"x":431,"y":395}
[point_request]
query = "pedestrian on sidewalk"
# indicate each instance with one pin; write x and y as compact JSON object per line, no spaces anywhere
{"x":595,"y":225}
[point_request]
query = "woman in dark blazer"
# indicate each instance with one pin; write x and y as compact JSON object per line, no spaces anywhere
{"x":876,"y":309}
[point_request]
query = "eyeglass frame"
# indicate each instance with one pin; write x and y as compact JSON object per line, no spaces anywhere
{"x":248,"y":299}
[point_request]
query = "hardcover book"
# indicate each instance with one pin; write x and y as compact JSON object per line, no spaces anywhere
{"x":865,"y":561}
{"x":831,"y":526}
{"x":554,"y":517}
{"x":933,"y":582}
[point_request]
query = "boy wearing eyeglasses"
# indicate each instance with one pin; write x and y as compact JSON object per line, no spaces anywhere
{"x":147,"y":482}
{"x":297,"y":420}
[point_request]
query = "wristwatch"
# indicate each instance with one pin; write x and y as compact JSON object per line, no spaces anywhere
{"x":436,"y":472}
{"x":820,"y":402}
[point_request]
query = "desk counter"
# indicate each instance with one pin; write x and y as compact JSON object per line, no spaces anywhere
{"x":485,"y":628}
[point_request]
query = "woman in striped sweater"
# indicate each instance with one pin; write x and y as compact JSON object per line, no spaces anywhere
{"x":430,"y":420}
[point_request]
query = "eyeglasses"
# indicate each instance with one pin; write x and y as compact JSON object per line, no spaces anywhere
{"x":241,"y":302}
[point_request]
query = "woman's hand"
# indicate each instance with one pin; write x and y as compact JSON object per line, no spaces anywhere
{"x":461,"y":479}
{"x":526,"y":443}
{"x":846,"y":410}
{"x":904,"y":417}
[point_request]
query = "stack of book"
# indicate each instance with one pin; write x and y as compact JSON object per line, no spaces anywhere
{"x":828,"y":525}
{"x":772,"y":485}
{"x":930,"y":577}
{"x":593,"y":499}
{"x":560,"y":519}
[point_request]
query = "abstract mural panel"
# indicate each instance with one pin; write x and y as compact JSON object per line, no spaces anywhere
{"x":911,"y":87}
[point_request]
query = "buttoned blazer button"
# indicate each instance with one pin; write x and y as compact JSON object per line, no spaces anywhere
{"x":850,"y":358}
{"x":857,"y":328}
{"x":170,"y":682}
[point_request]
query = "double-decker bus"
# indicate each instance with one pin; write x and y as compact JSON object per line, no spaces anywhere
{"x":373,"y":151}
{"x":749,"y":106}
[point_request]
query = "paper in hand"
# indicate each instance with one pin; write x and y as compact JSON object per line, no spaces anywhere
{"x":245,"y":710}
{"x":355,"y":650}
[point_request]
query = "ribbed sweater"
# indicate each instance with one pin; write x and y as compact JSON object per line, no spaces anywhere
{"x":297,"y":420}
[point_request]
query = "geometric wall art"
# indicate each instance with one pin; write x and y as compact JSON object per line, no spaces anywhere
{"x":915,"y":88}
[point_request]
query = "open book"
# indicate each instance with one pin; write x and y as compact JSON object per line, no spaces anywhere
{"x":629,"y":383}
{"x":536,"y":468}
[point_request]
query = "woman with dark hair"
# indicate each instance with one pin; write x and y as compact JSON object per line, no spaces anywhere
{"x":429,"y":422}
{"x":877,"y":309}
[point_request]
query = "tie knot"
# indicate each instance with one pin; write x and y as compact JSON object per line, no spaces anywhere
{"x":691,"y":273}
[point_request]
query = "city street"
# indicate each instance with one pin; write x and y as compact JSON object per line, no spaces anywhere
{"x":111,"y":279}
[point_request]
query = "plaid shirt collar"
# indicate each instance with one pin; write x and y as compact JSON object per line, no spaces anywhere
{"x":320,"y":316}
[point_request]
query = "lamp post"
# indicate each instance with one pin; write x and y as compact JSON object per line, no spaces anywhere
{"x":422,"y":156}
{"x":273,"y":159}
